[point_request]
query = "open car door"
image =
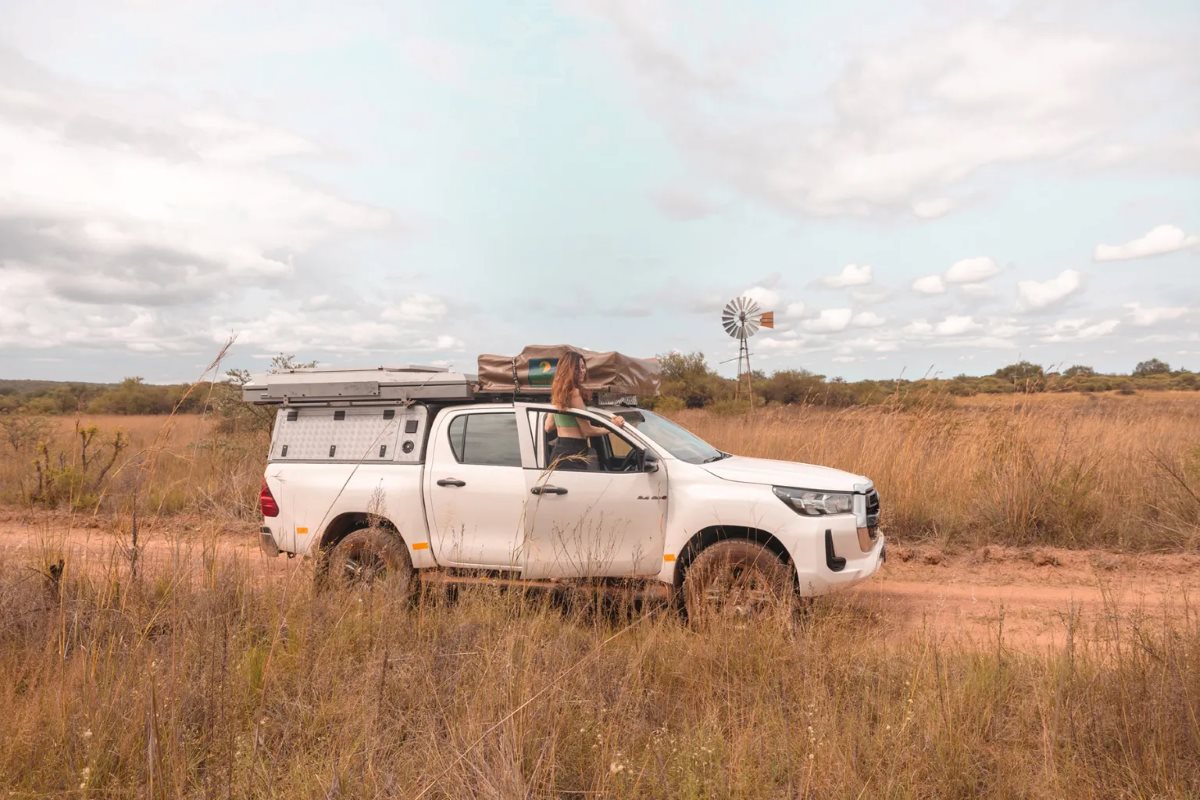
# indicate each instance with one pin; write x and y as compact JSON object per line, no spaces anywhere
{"x":603,"y":516}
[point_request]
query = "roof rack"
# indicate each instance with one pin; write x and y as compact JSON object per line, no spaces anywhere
{"x":359,"y":386}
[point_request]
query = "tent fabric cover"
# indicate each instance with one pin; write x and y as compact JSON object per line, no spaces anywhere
{"x":532,"y":372}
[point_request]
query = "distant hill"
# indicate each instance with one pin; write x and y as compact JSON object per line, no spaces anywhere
{"x":130,"y":396}
{"x":31,"y":387}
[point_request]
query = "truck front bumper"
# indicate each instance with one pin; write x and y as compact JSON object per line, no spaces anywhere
{"x":839,"y":562}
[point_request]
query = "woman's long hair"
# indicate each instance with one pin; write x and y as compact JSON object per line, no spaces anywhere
{"x":566,"y":380}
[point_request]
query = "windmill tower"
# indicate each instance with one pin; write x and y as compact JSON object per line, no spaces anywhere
{"x":741,"y":319}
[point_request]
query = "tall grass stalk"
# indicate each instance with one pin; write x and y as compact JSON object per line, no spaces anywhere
{"x":218,"y":678}
{"x":1071,"y":471}
{"x":1065,"y":470}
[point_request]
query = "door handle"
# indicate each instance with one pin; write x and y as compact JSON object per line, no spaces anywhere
{"x":451,"y":482}
{"x":547,"y":490}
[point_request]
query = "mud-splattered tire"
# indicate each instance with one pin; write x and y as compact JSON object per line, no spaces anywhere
{"x":369,"y":558}
{"x":738,"y":581}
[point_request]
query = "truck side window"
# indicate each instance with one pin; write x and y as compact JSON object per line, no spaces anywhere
{"x":607,"y":453}
{"x":485,"y":439}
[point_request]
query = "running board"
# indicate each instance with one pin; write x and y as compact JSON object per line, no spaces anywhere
{"x":642,"y":587}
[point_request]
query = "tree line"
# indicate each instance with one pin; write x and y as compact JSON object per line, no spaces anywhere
{"x":688,"y":381}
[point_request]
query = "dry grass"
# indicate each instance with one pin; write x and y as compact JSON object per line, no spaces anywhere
{"x":203,"y":677}
{"x":211,"y":681}
{"x":170,"y":463}
{"x":1067,"y":470}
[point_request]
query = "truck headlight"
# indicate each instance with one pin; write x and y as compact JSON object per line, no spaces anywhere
{"x":812,"y":503}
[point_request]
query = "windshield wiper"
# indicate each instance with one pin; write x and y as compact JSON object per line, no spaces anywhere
{"x":717,"y":457}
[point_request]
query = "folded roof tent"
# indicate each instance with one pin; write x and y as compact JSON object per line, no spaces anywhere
{"x":360,"y":386}
{"x":528,"y":375}
{"x":532,"y":371}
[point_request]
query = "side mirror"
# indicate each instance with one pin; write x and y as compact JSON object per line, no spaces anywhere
{"x":649,"y":461}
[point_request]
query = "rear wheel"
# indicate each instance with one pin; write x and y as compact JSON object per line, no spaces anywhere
{"x":738,"y":581}
{"x":368,"y":558}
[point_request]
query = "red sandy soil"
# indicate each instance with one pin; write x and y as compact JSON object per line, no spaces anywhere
{"x":1026,"y":597}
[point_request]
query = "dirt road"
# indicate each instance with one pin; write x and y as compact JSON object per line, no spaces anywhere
{"x":1026,"y":597}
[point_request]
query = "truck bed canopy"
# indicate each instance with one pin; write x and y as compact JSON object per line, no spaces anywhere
{"x":532,"y":372}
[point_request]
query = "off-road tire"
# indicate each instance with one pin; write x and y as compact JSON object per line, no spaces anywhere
{"x":370,"y":558}
{"x":738,"y":581}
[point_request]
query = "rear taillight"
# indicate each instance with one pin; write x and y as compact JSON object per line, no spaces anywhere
{"x":266,"y":501}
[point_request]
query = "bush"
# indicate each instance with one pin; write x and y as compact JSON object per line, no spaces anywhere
{"x":1151,"y":367}
{"x":74,"y":478}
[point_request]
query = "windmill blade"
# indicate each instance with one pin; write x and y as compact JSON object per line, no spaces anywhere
{"x":733,"y":317}
{"x":742,"y":317}
{"x":730,"y":321}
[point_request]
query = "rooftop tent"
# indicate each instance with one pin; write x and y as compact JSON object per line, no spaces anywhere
{"x":532,"y":372}
{"x":370,"y":386}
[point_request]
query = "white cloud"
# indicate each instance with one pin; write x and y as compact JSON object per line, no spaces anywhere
{"x":867,"y":319}
{"x":1036,"y":295}
{"x":1007,"y":329}
{"x":870,"y":295}
{"x":956,"y":325}
{"x":909,"y":120}
{"x":123,"y":202}
{"x":1145,"y":317}
{"x":1160,"y":240}
{"x":851,"y":275}
{"x":1079,"y":330}
{"x":918,"y":327}
{"x":794,"y":310}
{"x":976,"y":289}
{"x":932,"y":209}
{"x":930,"y":284}
{"x":768,"y":299}
{"x":972,"y":270}
{"x":416,"y":308}
{"x":829,"y":320}
{"x":990,"y":342}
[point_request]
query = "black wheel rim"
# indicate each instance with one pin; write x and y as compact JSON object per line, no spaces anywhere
{"x":363,"y":568}
{"x":739,"y":592}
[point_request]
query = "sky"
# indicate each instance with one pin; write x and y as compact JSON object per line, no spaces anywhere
{"x":931,"y":188}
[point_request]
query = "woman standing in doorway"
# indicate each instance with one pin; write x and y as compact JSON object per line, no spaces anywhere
{"x":570,"y":449}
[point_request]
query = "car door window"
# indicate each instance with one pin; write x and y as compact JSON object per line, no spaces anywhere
{"x":485,"y":439}
{"x":607,"y":452}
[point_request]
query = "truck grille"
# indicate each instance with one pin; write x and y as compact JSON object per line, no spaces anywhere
{"x":873,"y":513}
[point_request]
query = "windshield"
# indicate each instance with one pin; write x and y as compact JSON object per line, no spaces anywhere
{"x":679,"y":442}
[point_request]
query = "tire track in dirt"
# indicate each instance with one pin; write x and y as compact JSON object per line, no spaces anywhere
{"x":1026,"y":597}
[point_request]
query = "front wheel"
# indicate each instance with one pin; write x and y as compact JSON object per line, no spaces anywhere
{"x":738,"y":581}
{"x":368,"y":558}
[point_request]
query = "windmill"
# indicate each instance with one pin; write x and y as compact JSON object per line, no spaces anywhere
{"x":741,"y":319}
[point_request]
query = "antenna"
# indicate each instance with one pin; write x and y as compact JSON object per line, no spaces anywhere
{"x":741,"y":319}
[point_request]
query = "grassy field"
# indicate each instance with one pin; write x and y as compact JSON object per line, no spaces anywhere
{"x":1069,"y":470}
{"x":1072,"y":470}
{"x":162,"y":464}
{"x":209,"y":675}
{"x":210,"y":680}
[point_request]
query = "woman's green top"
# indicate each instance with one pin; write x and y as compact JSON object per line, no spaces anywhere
{"x":565,"y":421}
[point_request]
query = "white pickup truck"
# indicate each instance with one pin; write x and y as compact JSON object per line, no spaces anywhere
{"x":405,"y":473}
